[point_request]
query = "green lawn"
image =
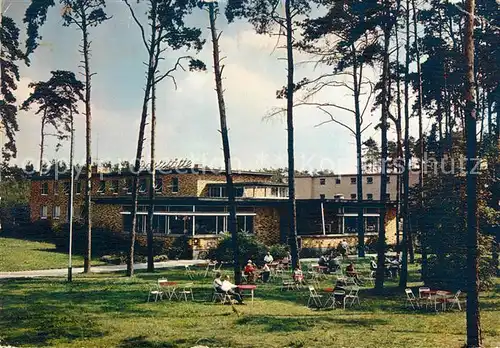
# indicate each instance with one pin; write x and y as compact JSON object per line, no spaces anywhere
{"x":111,"y":311}
{"x":26,"y":255}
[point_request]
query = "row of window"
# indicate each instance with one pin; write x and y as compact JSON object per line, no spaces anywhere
{"x":239,"y":192}
{"x":113,"y":186}
{"x":369,"y":196}
{"x":44,"y":210}
{"x":369,"y":180}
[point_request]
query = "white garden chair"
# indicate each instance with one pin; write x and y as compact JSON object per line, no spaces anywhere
{"x":455,"y":301}
{"x":411,"y":299}
{"x":314,"y":297}
{"x":352,"y":296}
{"x":156,"y":292}
{"x":186,"y":290}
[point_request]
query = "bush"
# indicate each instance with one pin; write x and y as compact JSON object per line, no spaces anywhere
{"x":248,"y":246}
{"x":179,"y":249}
{"x":279,"y":251}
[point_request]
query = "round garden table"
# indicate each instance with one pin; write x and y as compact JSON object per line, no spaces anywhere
{"x":170,"y":288}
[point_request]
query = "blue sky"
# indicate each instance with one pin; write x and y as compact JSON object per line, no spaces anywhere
{"x":188,"y":121}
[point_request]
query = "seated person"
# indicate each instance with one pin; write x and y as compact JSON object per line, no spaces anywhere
{"x":298,"y":276}
{"x":394,"y":266}
{"x":373,"y":264}
{"x":230,"y":288}
{"x":351,"y":272}
{"x":333,"y":264}
{"x":322,"y":261}
{"x":218,"y":283}
{"x":249,"y":271}
{"x":268,"y":258}
{"x":265,"y":273}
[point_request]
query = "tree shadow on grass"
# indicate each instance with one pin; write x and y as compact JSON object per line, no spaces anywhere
{"x":304,"y":323}
{"x":143,"y":342}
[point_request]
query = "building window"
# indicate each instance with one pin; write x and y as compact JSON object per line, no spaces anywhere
{"x":353,"y":196}
{"x":353,"y":181}
{"x":43,"y":212}
{"x":66,"y":187}
{"x":129,"y":183}
{"x":45,"y":188}
{"x":56,"y":187}
{"x":238,"y":191}
{"x":279,"y":191}
{"x":322,"y":181}
{"x":78,"y":187}
{"x":388,"y":196}
{"x":102,"y":187}
{"x":369,"y":196}
{"x":56,"y":212}
{"x":321,"y":196}
{"x":159,"y":185}
{"x":337,"y":181}
{"x":142,"y":186}
{"x":369,"y":180}
{"x":214,"y":192}
{"x":115,"y":186}
{"x":175,"y":185}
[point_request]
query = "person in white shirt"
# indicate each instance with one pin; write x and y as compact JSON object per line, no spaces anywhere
{"x":229,"y":287}
{"x":265,"y":273}
{"x":268,"y":258}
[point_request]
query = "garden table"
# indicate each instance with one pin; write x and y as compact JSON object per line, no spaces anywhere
{"x":170,"y":288}
{"x":249,"y":288}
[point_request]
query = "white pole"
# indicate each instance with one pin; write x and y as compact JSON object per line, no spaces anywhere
{"x":71,"y":151}
{"x":323,"y":218}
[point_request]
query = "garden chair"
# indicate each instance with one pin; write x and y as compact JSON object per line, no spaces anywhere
{"x":455,"y":300}
{"x":288,"y":285}
{"x":189,"y":272}
{"x":411,"y":299}
{"x":156,"y":292}
{"x":314,"y":298}
{"x":352,"y":296}
{"x":186,"y":290}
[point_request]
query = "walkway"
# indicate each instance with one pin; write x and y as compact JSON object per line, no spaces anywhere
{"x":63,"y":272}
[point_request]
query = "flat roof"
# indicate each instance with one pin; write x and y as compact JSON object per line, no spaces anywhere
{"x":175,"y":171}
{"x":254,"y":183}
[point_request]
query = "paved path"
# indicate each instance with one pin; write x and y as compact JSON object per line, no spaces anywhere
{"x":62,"y":272}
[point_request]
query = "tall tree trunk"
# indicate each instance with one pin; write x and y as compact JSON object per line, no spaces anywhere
{"x":292,"y":238}
{"x":152,"y":182}
{"x":473,"y":315}
{"x":359,"y":155}
{"x":403,"y":279}
{"x":420,"y":132}
{"x":88,"y":147}
{"x":399,"y":148}
{"x":152,"y":64}
{"x":379,"y":278}
{"x":70,"y":197}
{"x":233,"y":228}
{"x":42,"y":141}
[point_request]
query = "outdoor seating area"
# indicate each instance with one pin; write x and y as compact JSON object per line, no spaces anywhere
{"x":436,"y":300}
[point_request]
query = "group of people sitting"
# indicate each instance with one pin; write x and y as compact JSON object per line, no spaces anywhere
{"x":392,"y":265}
{"x":331,"y":261}
{"x":226,"y":287}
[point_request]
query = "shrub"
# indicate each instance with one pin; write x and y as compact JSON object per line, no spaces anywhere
{"x":179,"y":249}
{"x":279,"y":251}
{"x":249,"y":248}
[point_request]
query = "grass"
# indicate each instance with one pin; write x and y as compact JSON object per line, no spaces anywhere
{"x":110,"y":310}
{"x":27,"y":255}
